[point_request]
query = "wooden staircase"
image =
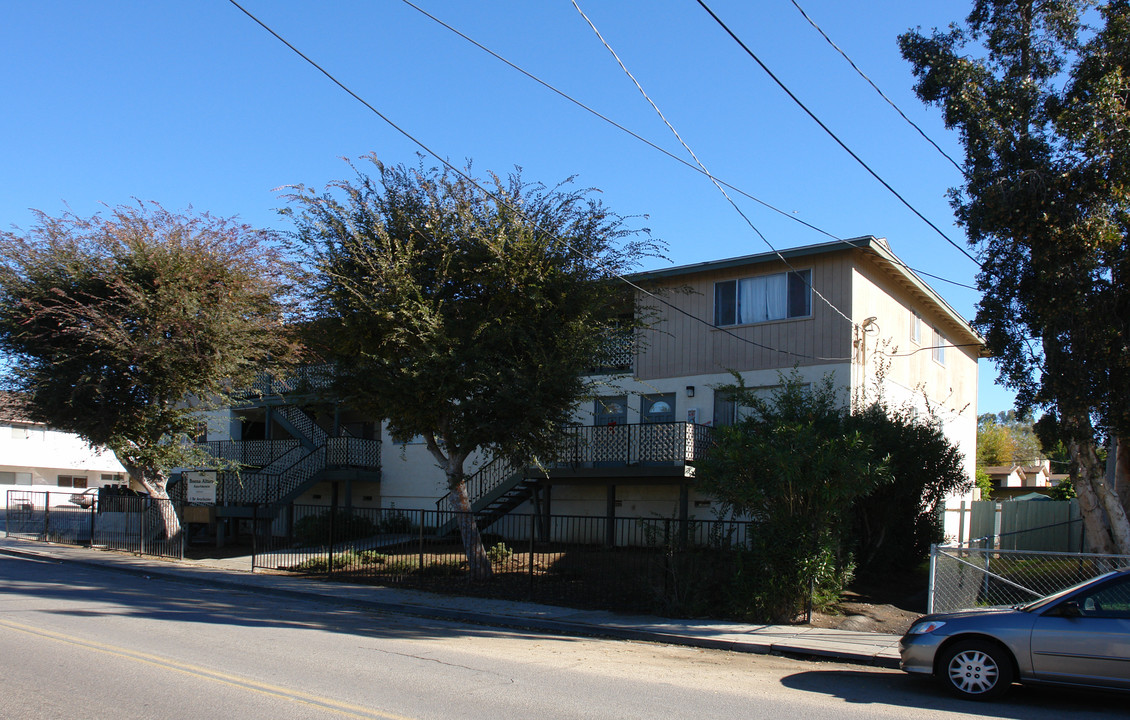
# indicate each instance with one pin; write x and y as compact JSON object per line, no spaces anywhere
{"x":496,"y":489}
{"x":294,"y":468}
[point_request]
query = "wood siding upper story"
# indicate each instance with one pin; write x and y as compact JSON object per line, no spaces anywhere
{"x":860,"y":283}
{"x":677,"y":345}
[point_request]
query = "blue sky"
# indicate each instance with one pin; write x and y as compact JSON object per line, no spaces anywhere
{"x":191,"y":103}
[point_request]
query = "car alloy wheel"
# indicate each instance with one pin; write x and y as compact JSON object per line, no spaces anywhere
{"x":977,"y":670}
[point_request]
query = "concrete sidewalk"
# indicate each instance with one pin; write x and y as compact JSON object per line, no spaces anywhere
{"x":235,"y":573}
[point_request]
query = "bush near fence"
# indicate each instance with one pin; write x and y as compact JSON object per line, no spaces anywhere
{"x":635,"y":564}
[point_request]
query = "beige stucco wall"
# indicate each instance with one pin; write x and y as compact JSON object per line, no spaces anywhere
{"x":911,"y":375}
{"x":411,"y":478}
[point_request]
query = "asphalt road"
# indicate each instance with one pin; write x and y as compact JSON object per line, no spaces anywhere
{"x":80,"y":642}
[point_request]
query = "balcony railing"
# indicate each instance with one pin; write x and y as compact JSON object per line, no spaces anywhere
{"x":351,"y":452}
{"x":250,"y":453}
{"x":616,"y":354}
{"x":672,"y":443}
{"x":302,"y":379}
{"x":602,"y":446}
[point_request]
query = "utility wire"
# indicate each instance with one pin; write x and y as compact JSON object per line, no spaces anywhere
{"x":1027,"y":342}
{"x":654,"y":146}
{"x":698,"y":162}
{"x":517,"y":210}
{"x":876,"y":88}
{"x":831,"y":134}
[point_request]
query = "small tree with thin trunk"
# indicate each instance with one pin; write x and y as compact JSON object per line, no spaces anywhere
{"x":122,"y":328}
{"x":466,"y":312}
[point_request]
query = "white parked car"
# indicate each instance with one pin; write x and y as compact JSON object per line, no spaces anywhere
{"x":86,"y":498}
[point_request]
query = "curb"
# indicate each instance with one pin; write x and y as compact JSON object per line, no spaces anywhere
{"x":785,"y":649}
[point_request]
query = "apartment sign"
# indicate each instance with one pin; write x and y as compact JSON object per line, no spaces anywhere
{"x":200,"y":487}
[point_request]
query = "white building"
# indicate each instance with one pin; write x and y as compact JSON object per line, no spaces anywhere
{"x":848,"y":309}
{"x":37,"y":458}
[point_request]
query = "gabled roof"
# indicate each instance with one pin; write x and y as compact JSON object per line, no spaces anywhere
{"x":879,"y":252}
{"x":1004,"y":470}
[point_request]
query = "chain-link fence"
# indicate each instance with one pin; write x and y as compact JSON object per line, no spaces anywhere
{"x":962,"y":576}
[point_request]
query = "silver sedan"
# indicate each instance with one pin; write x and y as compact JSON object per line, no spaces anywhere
{"x":1079,"y":636}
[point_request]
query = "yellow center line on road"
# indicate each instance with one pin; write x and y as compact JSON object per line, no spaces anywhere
{"x":237,"y":681}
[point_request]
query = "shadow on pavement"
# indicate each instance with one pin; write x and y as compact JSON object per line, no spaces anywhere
{"x":902,"y":690}
{"x":59,"y":587}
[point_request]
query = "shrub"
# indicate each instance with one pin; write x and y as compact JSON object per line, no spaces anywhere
{"x":500,"y":553}
{"x":349,"y":558}
{"x":802,"y":507}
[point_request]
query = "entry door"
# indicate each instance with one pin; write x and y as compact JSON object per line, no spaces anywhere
{"x":661,"y":437}
{"x":609,"y":445}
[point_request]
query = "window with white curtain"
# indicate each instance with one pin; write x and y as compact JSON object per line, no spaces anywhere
{"x":763,"y":298}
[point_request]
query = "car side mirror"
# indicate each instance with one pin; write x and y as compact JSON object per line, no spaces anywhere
{"x":1068,"y":608}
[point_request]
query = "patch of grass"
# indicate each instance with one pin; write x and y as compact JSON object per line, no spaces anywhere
{"x":349,"y":558}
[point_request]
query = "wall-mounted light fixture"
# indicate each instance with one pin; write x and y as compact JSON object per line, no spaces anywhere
{"x":690,"y":390}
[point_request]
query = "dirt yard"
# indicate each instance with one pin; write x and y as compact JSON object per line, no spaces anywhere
{"x":889,"y":606}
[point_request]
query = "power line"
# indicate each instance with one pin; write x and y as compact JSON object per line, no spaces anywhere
{"x":876,"y":88}
{"x":654,"y":146}
{"x":930,"y":347}
{"x":832,"y":135}
{"x":698,"y":162}
{"x":1027,"y":343}
{"x":517,"y":210}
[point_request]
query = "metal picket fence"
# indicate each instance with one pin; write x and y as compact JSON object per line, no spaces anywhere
{"x":622,"y":563}
{"x":134,"y":524}
{"x":964,"y":576}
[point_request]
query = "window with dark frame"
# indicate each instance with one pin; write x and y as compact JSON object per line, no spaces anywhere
{"x":763,"y":298}
{"x":725,"y":409}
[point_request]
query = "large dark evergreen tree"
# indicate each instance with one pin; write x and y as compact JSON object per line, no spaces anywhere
{"x":1044,"y":121}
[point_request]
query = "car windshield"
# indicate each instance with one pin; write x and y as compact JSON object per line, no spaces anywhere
{"x":1048,"y":599}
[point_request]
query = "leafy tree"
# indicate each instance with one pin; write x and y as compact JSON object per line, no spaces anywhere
{"x":1046,"y":200}
{"x":466,"y":312}
{"x":1062,"y":491}
{"x":984,"y":483}
{"x":1005,"y":439}
{"x":122,"y":327}
{"x":795,"y":465}
{"x":895,"y":525}
{"x":995,"y":444}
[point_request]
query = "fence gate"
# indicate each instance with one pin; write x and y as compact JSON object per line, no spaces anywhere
{"x":969,"y":577}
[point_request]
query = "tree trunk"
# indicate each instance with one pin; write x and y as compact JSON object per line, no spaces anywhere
{"x":1122,"y":472}
{"x":162,"y":508}
{"x":477,"y":561}
{"x":1115,"y":513}
{"x":1084,"y":464}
